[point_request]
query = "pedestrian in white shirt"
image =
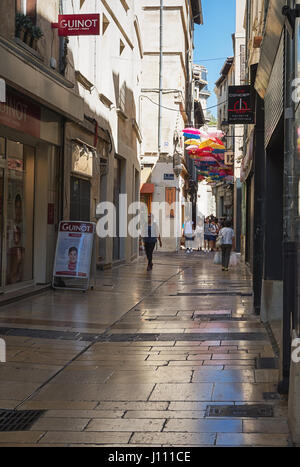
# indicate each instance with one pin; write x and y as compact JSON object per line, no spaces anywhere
{"x":189,"y":235}
{"x":226,"y":235}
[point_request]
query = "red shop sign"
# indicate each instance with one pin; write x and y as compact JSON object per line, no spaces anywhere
{"x":21,"y":114}
{"x":78,"y":25}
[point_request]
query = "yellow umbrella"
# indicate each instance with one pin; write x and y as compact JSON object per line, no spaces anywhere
{"x":211,"y":144}
{"x":192,"y":142}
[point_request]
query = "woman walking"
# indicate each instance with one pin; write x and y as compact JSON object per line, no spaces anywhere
{"x":226,"y":236}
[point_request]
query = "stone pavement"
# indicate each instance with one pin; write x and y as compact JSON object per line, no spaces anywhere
{"x":139,"y":360}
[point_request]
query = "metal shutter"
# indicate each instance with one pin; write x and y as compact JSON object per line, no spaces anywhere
{"x":274,"y":99}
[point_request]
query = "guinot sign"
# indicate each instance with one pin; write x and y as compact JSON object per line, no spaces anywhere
{"x":78,"y":25}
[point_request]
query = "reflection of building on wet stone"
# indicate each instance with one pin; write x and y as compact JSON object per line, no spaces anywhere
{"x":144,"y":366}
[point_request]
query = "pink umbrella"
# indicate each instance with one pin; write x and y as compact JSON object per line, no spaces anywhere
{"x":192,"y":131}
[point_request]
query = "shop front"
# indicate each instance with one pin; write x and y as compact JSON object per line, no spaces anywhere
{"x":29,"y":191}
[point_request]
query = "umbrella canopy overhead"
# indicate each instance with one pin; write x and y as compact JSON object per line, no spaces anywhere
{"x":207,"y":150}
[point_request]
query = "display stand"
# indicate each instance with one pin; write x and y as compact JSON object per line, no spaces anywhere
{"x":75,"y":257}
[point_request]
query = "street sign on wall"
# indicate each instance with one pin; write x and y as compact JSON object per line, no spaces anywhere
{"x":240,"y":105}
{"x":78,"y":25}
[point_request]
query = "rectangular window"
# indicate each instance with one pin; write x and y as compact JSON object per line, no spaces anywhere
{"x":170,"y":199}
{"x":27,"y":8}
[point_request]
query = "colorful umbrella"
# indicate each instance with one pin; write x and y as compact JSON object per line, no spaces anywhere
{"x":192,"y":142}
{"x":191,"y":135}
{"x":193,"y":131}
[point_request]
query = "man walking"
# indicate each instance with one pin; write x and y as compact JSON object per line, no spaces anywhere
{"x":226,"y":236}
{"x":150,"y":237}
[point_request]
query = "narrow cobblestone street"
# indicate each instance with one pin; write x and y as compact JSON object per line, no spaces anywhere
{"x":139,"y":360}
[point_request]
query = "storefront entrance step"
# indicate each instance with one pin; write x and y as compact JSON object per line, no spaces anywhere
{"x":12,"y":296}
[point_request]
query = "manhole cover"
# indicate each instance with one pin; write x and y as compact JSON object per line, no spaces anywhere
{"x":251,"y":411}
{"x":266,"y":363}
{"x":271,"y":396}
{"x":18,"y":420}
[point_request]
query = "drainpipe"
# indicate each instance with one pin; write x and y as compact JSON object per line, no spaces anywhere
{"x":160,"y":75}
{"x":289,"y":233}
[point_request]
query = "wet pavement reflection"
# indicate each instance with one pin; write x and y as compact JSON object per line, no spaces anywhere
{"x":137,"y":361}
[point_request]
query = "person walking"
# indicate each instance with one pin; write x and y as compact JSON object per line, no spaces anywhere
{"x":199,"y":234}
{"x":226,"y":236}
{"x":213,"y":228}
{"x":206,"y":235}
{"x":189,"y":235}
{"x":150,"y":237}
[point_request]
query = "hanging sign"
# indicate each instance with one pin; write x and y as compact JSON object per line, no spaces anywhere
{"x":74,"y":249}
{"x":78,"y":25}
{"x":240,"y":107}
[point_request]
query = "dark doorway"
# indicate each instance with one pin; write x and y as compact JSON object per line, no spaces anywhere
{"x":80,"y":199}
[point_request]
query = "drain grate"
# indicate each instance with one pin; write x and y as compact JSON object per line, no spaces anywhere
{"x":266,"y":363}
{"x":271,"y":396}
{"x":18,"y":420}
{"x":250,"y":411}
{"x":210,"y":293}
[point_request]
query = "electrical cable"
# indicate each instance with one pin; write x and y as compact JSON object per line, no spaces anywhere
{"x":176,"y":110}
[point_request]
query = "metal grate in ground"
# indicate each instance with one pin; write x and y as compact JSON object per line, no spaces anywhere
{"x":266,"y":363}
{"x":247,"y":411}
{"x":18,"y":420}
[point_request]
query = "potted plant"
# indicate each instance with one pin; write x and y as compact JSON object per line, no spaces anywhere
{"x":29,"y":31}
{"x":20,"y":26}
{"x":37,"y":33}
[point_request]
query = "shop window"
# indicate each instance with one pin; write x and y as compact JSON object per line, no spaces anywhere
{"x":19,"y":217}
{"x":27,"y":8}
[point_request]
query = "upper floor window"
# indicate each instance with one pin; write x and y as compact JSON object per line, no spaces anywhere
{"x":27,"y":8}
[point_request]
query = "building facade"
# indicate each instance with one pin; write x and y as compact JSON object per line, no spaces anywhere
{"x":69,"y":131}
{"x":166,"y":176}
{"x":270,"y":170}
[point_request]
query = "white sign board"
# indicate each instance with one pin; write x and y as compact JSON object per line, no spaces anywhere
{"x":73,"y":253}
{"x":2,"y":90}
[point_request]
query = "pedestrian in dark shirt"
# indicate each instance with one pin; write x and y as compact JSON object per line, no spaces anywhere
{"x":150,"y":236}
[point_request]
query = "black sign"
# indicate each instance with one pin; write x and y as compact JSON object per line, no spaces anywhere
{"x":240,"y":106}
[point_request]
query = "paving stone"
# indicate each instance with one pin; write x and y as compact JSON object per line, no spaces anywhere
{"x":131,"y":425}
{"x":132,"y":406}
{"x":241,"y":391}
{"x":204,"y":426}
{"x":190,"y":406}
{"x":58,"y":405}
{"x":22,"y":437}
{"x":11,"y":390}
{"x":62,"y":424}
{"x":182,"y":392}
{"x":239,"y":439}
{"x":173,"y":439}
{"x":166,"y":414}
{"x":95,"y":392}
{"x":274,"y":425}
{"x":266,"y":376}
{"x":88,"y":414}
{"x":86,"y":437}
{"x":208,"y":375}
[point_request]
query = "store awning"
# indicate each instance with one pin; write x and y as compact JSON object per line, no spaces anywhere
{"x":271,"y":40}
{"x":147,"y":189}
